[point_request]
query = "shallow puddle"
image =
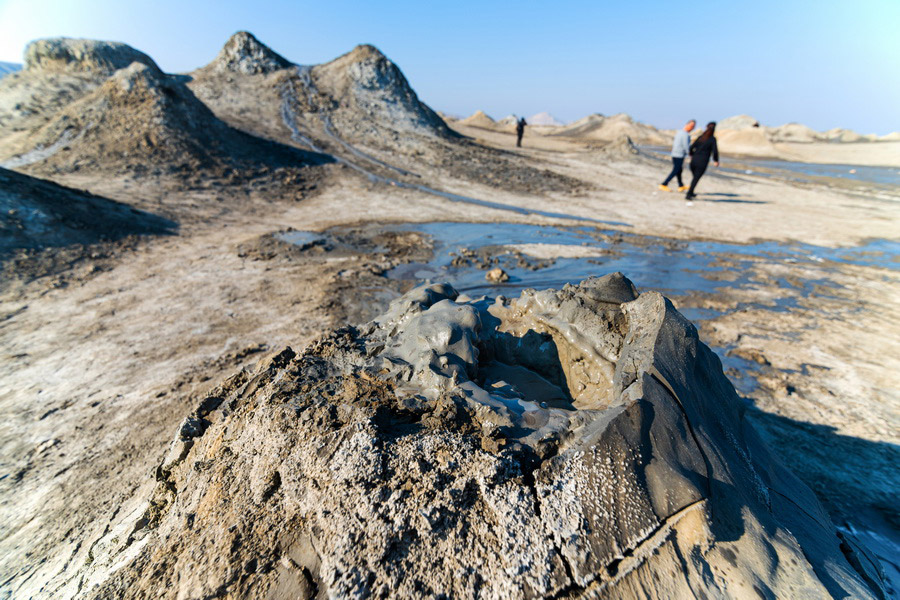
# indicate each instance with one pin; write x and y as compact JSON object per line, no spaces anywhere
{"x":542,"y":257}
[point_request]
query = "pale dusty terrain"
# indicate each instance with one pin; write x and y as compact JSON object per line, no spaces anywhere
{"x":101,"y":363}
{"x":97,"y":374}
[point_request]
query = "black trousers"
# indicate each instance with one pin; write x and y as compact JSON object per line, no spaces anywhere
{"x":677,"y":166}
{"x":698,"y":168}
{"x":519,"y":138}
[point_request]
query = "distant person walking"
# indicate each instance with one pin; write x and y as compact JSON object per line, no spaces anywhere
{"x":520,"y":131}
{"x":700,"y":153}
{"x":681,"y":147}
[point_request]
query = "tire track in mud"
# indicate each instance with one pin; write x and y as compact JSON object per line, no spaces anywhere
{"x":290,"y":117}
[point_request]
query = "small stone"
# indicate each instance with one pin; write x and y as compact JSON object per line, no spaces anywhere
{"x":496,"y":275}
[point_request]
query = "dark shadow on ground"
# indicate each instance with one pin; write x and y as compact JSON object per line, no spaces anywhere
{"x":847,"y":473}
{"x":39,"y":214}
{"x":47,"y":228}
{"x":726,"y":197}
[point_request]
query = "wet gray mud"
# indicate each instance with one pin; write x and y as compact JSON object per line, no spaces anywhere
{"x":688,"y":271}
{"x":705,"y":279}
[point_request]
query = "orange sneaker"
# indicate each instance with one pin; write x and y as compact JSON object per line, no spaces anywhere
{"x":664,"y":188}
{"x":682,"y":188}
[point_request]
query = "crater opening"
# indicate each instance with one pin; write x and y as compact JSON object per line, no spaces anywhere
{"x":544,"y":368}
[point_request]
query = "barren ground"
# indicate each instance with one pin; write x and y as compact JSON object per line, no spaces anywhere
{"x":100,"y":363}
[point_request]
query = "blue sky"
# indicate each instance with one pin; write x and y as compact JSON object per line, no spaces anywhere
{"x":826,"y":64}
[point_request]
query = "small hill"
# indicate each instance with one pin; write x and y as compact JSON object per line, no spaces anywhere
{"x":753,"y":141}
{"x":737,"y":122}
{"x":622,"y":147}
{"x":243,"y":53}
{"x":46,"y":229}
{"x":890,"y":137}
{"x":610,"y":129}
{"x":839,"y":134}
{"x":366,"y":94}
{"x":79,"y":55}
{"x":479,"y":119}
{"x":58,"y":71}
{"x":36,"y":214}
{"x":544,"y":119}
{"x":136,"y":119}
{"x":794,"y":132}
{"x":361,"y":108}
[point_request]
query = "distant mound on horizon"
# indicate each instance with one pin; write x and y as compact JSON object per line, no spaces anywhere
{"x":544,"y":119}
{"x":798,"y":133}
{"x":479,"y":119}
{"x":737,"y":122}
{"x":609,"y":129}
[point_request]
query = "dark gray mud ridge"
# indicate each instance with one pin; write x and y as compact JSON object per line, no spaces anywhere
{"x":569,"y":443}
{"x":47,"y":228}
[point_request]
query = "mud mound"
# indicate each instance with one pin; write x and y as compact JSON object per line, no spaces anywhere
{"x":623,"y":147}
{"x":794,"y":132}
{"x":573,"y":443}
{"x":609,"y":129}
{"x":737,"y":122}
{"x":365,"y":94}
{"x":77,"y":55}
{"x":58,"y":71}
{"x":360,"y":108}
{"x":243,"y":53}
{"x":479,"y":119}
{"x":754,"y":141}
{"x":137,"y":119}
{"x":45,"y":228}
{"x":839,"y":134}
{"x":36,"y":214}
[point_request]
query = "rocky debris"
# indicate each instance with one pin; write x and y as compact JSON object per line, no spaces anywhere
{"x":496,"y":275}
{"x":77,"y":55}
{"x":245,"y":54}
{"x":572,"y":443}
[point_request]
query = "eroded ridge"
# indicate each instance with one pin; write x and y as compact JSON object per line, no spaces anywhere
{"x":572,"y":443}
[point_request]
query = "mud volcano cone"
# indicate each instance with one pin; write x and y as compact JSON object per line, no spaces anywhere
{"x":572,"y":443}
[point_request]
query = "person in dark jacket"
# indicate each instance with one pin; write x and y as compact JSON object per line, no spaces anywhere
{"x":520,"y":130}
{"x":701,"y":150}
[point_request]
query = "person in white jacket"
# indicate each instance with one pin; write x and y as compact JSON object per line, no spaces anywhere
{"x":681,"y":148}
